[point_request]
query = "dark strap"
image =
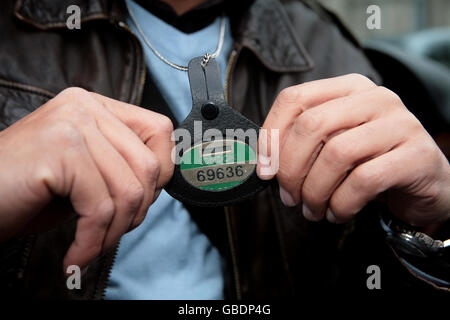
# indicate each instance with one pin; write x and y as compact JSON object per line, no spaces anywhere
{"x":205,"y":83}
{"x":154,"y":101}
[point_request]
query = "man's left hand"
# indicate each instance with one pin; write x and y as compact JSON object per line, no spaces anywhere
{"x":344,"y":141}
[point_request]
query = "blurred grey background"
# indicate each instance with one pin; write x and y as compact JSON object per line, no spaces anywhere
{"x":417,"y":27}
{"x":398,"y":17}
{"x":411,"y":50}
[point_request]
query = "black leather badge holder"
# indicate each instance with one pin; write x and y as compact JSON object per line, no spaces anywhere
{"x":216,"y":147}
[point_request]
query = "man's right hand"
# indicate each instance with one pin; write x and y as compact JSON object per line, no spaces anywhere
{"x":111,"y":160}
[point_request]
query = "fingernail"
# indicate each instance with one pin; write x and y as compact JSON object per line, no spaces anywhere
{"x":308,"y":213}
{"x":286,"y":198}
{"x":330,"y":216}
{"x":264,"y":170}
{"x":263,"y":160}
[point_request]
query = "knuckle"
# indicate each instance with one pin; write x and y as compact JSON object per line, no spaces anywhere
{"x":307,"y":123}
{"x":133,"y":197}
{"x":153,"y":168}
{"x":73,"y":101}
{"x":165,"y":124}
{"x":338,"y":151}
{"x":105,"y":212}
{"x":392,"y":99}
{"x":413,"y":122}
{"x":74,"y":93}
{"x":289,"y":95}
{"x":359,"y":78}
{"x":367,"y":179}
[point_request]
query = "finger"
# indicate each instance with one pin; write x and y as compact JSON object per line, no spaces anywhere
{"x":91,"y":199}
{"x":292,"y":101}
{"x":152,"y":128}
{"x":314,"y":127}
{"x":139,"y":157}
{"x":371,"y":178}
{"x":125,"y":189}
{"x":341,"y":154}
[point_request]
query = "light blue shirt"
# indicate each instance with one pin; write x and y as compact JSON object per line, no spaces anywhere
{"x":167,"y":256}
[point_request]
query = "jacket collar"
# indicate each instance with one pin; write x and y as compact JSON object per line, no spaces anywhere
{"x":48,"y":14}
{"x":268,"y":33}
{"x":264,"y":29}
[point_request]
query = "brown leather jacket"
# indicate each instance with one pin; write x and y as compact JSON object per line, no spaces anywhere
{"x":271,"y":251}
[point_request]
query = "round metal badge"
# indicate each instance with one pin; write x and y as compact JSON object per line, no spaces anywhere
{"x":218,"y":165}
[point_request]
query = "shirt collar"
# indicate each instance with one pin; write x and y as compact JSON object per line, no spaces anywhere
{"x":195,"y":19}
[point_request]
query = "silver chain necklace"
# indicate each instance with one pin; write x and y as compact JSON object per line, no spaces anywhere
{"x":206,"y":57}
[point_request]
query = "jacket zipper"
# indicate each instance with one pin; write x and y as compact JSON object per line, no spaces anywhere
{"x":236,"y":275}
{"x":105,"y":273}
{"x":26,"y":251}
{"x":228,"y":218}
{"x":138,"y":92}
